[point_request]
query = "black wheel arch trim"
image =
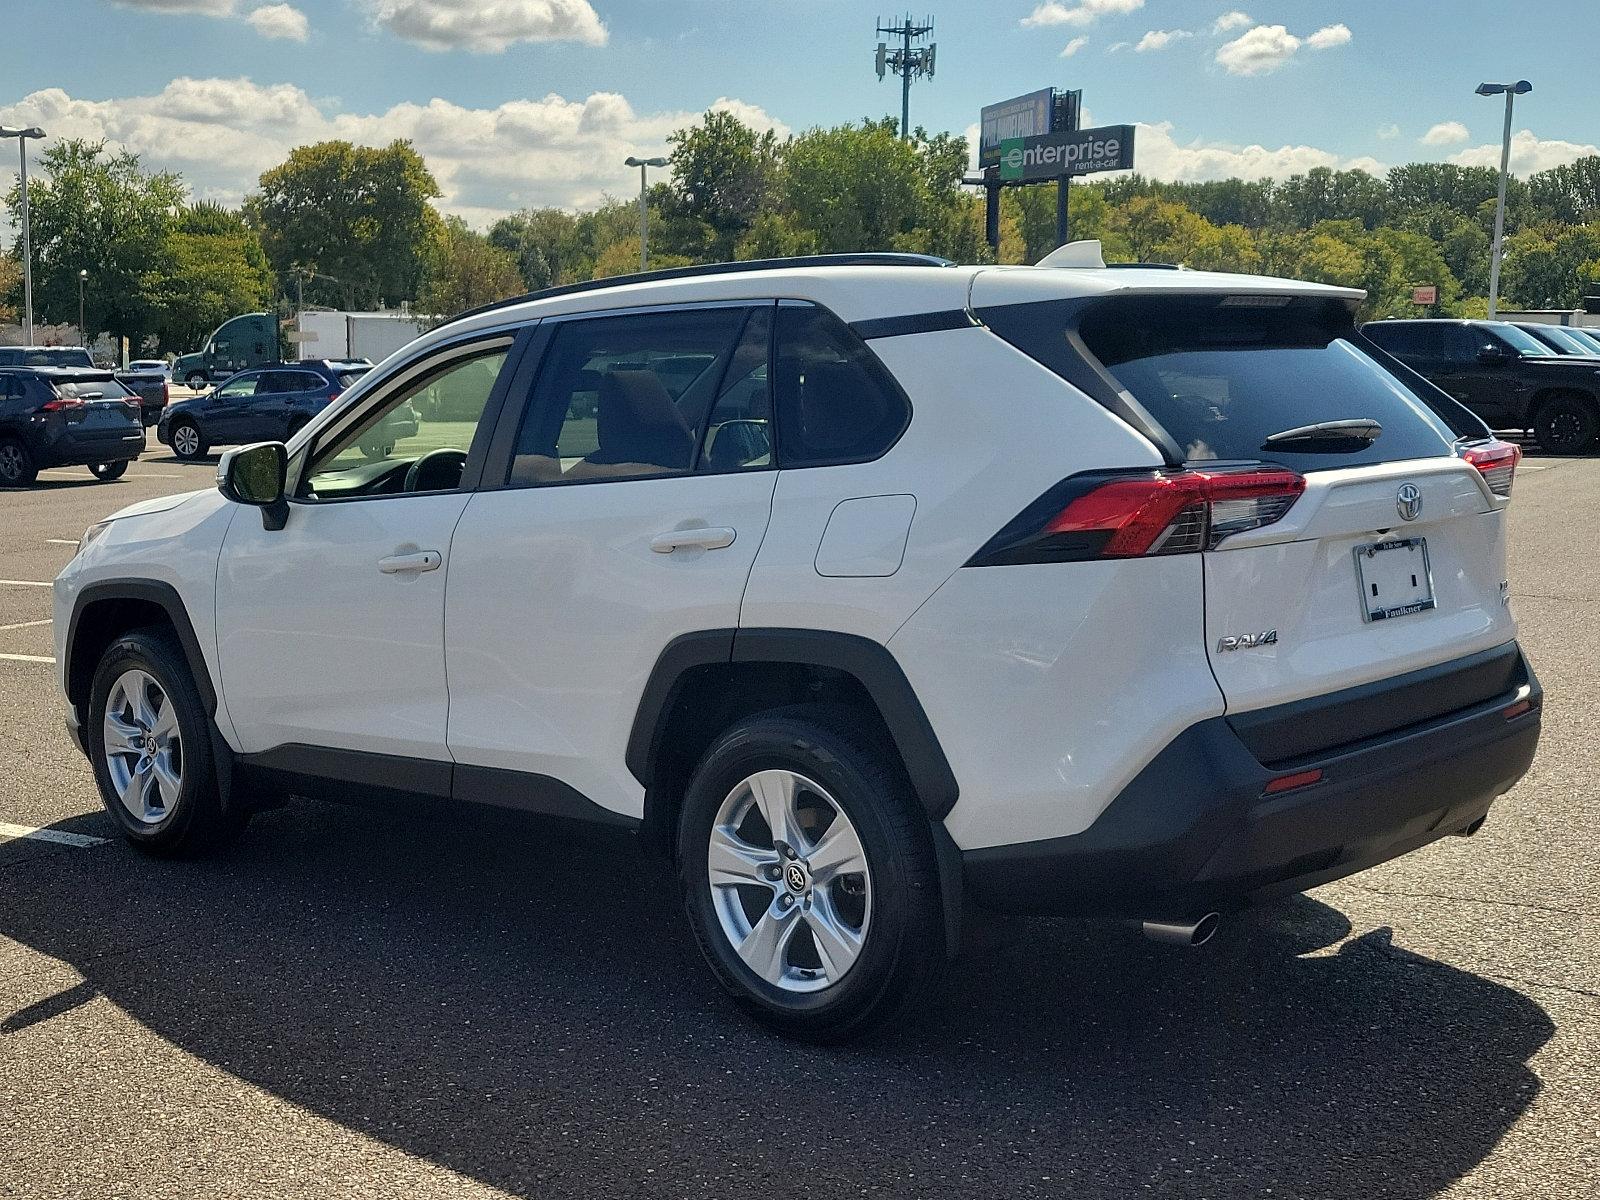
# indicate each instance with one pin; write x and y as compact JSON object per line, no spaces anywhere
{"x":149,"y":591}
{"x":868,"y":662}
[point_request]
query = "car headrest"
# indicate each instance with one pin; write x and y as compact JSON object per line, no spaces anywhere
{"x":638,"y":422}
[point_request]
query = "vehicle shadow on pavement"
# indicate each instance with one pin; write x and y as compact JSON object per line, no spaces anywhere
{"x":516,"y":1002}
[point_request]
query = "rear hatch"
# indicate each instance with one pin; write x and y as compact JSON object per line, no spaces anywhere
{"x":1393,"y":557}
{"x":1351,"y":527}
{"x":98,"y":409}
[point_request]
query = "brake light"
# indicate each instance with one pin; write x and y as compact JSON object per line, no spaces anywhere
{"x":1496,"y":462}
{"x":61,"y":404}
{"x":1134,"y":515}
{"x":166,"y":394}
{"x":333,"y":396}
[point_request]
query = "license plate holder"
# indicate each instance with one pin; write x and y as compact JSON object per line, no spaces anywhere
{"x":1395,"y":578}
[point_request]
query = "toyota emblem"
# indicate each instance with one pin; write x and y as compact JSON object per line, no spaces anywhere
{"x":1408,"y":502}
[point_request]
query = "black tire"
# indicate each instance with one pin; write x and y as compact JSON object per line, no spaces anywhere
{"x":17,"y":468}
{"x":903,"y":947}
{"x":194,"y":380}
{"x":196,"y":450}
{"x":1566,"y":424}
{"x":107,"y":471}
{"x":196,"y":820}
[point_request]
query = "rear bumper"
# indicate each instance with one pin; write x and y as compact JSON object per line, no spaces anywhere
{"x":1196,"y":832}
{"x":68,"y":450}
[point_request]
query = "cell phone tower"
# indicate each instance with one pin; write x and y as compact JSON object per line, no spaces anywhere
{"x":908,"y":60}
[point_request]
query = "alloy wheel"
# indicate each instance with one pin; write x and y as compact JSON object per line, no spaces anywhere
{"x":11,"y":462}
{"x":186,"y":440}
{"x":789,"y":881}
{"x":143,"y":746}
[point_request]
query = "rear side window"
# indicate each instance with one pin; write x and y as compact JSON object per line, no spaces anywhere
{"x":1223,"y":377}
{"x":836,"y":402}
{"x":625,"y":397}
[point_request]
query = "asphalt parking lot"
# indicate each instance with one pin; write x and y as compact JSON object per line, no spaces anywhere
{"x":357,"y":1004}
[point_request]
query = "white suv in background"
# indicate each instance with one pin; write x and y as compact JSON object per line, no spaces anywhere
{"x":866,"y":587}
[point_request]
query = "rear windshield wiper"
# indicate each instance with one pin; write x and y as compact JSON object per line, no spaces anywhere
{"x":1327,"y":437}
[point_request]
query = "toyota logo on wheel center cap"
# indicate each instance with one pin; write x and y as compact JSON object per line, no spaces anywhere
{"x":795,"y":876}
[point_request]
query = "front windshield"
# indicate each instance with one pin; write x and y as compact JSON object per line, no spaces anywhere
{"x":1523,"y":342}
{"x":1570,"y":343}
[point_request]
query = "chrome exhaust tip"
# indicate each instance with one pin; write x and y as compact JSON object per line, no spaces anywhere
{"x":1183,"y":933}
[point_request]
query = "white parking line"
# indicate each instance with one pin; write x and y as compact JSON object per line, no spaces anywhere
{"x":61,"y":837}
{"x":62,"y":541}
{"x":25,"y":658}
{"x":23,"y":583}
{"x":27,"y":624}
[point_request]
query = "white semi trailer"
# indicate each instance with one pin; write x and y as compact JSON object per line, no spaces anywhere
{"x":370,"y":335}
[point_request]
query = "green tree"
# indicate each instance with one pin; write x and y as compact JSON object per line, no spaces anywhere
{"x":359,"y":215}
{"x":10,"y":288}
{"x":722,"y":172}
{"x":861,"y":187}
{"x":1321,"y":194}
{"x":97,"y":210}
{"x":466,"y":269}
{"x":546,"y":242}
{"x":213,"y":268}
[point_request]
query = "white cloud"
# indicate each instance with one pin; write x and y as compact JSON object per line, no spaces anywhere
{"x":1079,"y":12}
{"x":1528,"y":153}
{"x":1118,"y":46}
{"x":1446,"y":133}
{"x":279,"y":21}
{"x":1258,"y":51}
{"x":1161,"y":156}
{"x":222,"y":133}
{"x":1229,"y":21}
{"x":1160,"y":39}
{"x":488,"y":26}
{"x":1329,"y":36}
{"x":1072,"y":47}
{"x":1389,"y":132}
{"x":1265,"y":48}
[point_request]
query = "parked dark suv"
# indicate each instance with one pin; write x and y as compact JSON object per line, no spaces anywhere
{"x":1507,"y":376}
{"x":262,"y":404}
{"x":63,"y":417}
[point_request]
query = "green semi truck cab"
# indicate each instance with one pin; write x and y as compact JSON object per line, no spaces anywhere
{"x":247,"y":340}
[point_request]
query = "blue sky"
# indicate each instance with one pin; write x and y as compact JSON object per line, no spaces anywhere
{"x":541,"y":105}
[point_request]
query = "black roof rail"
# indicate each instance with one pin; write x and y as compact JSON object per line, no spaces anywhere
{"x":1137,"y":266}
{"x":875,"y":259}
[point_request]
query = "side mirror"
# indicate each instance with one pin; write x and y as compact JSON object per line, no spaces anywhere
{"x":1493,"y":356}
{"x":257,"y":475}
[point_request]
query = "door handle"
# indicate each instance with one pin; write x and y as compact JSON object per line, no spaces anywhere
{"x":702,"y":538}
{"x":411,"y":564}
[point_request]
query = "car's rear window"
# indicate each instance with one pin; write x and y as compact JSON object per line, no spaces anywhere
{"x":1223,"y":374}
{"x":348,"y":375}
{"x":65,"y":356}
{"x":91,"y":389}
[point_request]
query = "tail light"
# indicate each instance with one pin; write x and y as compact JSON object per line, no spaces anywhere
{"x":1135,"y":515}
{"x":62,"y":404}
{"x":166,"y":394}
{"x":1496,"y":462}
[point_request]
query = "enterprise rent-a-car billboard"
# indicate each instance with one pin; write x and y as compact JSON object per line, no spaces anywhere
{"x":1080,"y":152}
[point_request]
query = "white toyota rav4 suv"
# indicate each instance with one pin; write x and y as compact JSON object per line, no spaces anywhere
{"x":867,"y":587}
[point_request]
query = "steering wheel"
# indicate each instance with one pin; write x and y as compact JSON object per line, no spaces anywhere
{"x":436,"y":471}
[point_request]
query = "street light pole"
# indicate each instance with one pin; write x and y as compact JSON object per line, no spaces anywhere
{"x":644,"y":207}
{"x":83,"y":332}
{"x":22,"y":136}
{"x":1511,"y":92}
